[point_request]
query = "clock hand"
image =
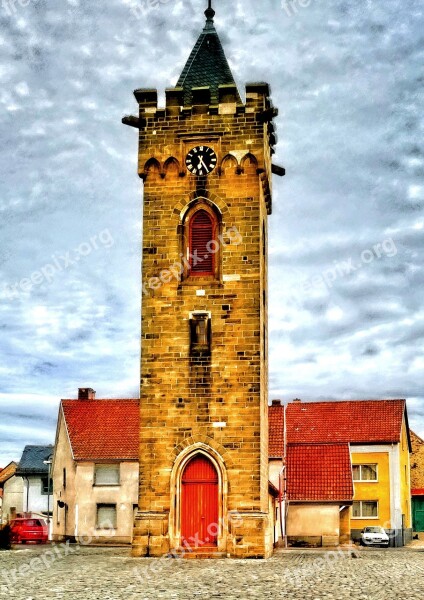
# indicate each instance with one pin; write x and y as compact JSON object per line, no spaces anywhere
{"x":201,"y":162}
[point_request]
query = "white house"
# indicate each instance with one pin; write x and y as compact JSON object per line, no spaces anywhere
{"x":34,"y":469}
{"x":95,"y":469}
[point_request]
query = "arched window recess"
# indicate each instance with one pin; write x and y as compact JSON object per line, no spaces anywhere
{"x":201,"y":243}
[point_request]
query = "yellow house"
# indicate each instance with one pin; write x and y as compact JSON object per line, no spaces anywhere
{"x":381,"y":477}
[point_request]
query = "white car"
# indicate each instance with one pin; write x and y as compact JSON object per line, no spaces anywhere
{"x":374,"y":536}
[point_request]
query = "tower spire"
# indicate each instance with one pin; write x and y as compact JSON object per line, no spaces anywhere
{"x":209,"y":12}
{"x":207,"y":65}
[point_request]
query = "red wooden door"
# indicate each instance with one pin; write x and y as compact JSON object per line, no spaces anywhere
{"x":199,"y":504}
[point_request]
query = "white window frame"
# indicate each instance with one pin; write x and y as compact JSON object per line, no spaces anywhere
{"x":360,"y":480}
{"x":360,"y":504}
{"x":99,"y":467}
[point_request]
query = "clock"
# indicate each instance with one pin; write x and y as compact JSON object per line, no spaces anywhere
{"x":201,"y":160}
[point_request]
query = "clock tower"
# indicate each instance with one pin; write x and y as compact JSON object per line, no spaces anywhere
{"x":206,"y":164}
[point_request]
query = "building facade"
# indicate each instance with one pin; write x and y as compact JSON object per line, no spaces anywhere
{"x":345,"y":466}
{"x":417,"y":483}
{"x":205,"y":160}
{"x":13,"y":492}
{"x":95,"y":470}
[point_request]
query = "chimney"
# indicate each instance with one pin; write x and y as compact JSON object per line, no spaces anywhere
{"x":297,"y":400}
{"x":276,"y":403}
{"x":86,"y":394}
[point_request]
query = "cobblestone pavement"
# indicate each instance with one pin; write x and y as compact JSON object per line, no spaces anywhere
{"x":82,"y":573}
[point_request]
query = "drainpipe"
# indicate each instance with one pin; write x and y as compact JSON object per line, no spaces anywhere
{"x":49,"y":463}
{"x":27,"y":493}
{"x":281,"y":502}
{"x":282,"y":479}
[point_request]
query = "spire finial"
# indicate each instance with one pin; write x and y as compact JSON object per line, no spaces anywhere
{"x":209,"y":12}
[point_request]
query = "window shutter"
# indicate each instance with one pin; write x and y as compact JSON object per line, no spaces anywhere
{"x":201,"y":233}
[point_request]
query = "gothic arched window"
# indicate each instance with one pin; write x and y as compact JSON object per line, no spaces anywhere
{"x":203,"y":245}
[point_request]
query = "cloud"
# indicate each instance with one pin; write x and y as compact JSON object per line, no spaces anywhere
{"x":346,"y":79}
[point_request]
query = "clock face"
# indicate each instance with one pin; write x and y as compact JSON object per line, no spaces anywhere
{"x":201,"y":160}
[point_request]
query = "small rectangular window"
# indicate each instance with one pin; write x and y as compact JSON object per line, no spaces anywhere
{"x":200,"y":333}
{"x":64,"y":479}
{"x":45,"y":487}
{"x":106,"y":516}
{"x":364,"y":472}
{"x":365,"y":509}
{"x":106,"y":474}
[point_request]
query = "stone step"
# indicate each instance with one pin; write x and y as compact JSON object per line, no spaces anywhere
{"x":201,"y":554}
{"x":208,"y":552}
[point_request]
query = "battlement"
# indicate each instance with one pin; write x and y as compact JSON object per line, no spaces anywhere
{"x":229,"y":121}
{"x":257,"y":110}
{"x":257,"y":101}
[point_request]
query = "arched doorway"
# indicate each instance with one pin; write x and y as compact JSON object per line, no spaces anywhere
{"x":199,"y":504}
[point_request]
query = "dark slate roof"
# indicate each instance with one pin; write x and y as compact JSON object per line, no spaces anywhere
{"x":207,"y":65}
{"x":32,"y":460}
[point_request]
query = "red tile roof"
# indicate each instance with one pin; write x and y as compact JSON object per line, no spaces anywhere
{"x":319,"y":472}
{"x":103,"y":429}
{"x":354,"y":421}
{"x":276,"y":431}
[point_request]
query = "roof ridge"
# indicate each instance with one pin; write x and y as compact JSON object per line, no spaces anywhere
{"x":323,"y":443}
{"x":86,"y":401}
{"x":416,"y":435}
{"x":303,"y":402}
{"x":191,"y":58}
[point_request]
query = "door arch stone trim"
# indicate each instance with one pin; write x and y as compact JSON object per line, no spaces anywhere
{"x":180,"y":463}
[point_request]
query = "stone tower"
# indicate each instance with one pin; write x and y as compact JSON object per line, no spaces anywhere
{"x":205,"y":160}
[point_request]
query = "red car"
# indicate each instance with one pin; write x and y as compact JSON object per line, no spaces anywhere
{"x":28,"y":530}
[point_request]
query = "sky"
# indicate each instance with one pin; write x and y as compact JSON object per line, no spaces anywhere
{"x":346,"y":234}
